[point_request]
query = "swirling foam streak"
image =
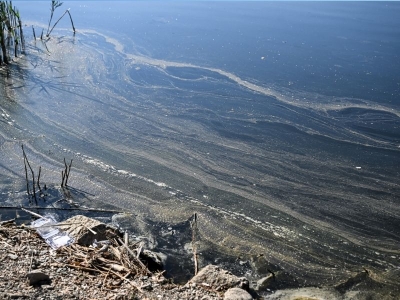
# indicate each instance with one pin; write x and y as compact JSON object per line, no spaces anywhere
{"x":140,"y":59}
{"x":279,"y":231}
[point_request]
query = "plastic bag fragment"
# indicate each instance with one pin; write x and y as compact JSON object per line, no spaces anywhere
{"x":47,"y":228}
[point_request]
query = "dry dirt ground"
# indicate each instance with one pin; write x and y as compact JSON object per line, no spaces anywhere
{"x":78,"y":272}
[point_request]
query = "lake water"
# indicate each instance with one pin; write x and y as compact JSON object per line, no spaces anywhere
{"x":276,"y":123}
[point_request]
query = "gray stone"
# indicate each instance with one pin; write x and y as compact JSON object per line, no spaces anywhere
{"x":219,"y":279}
{"x":13,"y":256}
{"x":237,"y":294}
{"x":86,"y":230}
{"x":276,"y":281}
{"x":154,"y":260}
{"x":265,"y":282}
{"x":37,"y":276}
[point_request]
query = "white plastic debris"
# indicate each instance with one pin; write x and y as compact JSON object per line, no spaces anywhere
{"x":46,"y":227}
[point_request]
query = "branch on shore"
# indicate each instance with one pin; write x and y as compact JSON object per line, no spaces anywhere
{"x":60,"y":208}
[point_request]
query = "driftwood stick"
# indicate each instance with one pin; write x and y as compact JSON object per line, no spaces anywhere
{"x":7,"y":221}
{"x":194,"y":229}
{"x":31,"y":212}
{"x":133,"y":255}
{"x":68,"y":209}
{"x":126,"y":238}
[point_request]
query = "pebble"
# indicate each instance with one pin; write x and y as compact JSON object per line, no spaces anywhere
{"x":237,"y":294}
{"x":13,"y":256}
{"x":37,"y":276}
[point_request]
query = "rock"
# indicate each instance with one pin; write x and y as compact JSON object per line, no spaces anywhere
{"x":37,"y":276}
{"x":265,"y":282}
{"x":278,"y":280}
{"x":85,"y":230}
{"x":237,"y":294}
{"x":219,"y":279}
{"x":353,"y":281}
{"x":153,"y":260}
{"x":13,"y":256}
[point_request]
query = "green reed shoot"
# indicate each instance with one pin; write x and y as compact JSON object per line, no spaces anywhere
{"x":54,"y":5}
{"x":11,"y":34}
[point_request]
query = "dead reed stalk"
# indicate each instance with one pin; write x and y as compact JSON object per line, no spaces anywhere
{"x":193,"y":224}
{"x":26,"y":162}
{"x":11,"y":34}
{"x":65,"y":173}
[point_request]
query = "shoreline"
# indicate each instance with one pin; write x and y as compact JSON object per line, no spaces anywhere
{"x":23,"y":250}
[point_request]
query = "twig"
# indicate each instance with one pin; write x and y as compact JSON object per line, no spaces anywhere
{"x":133,"y":255}
{"x":58,"y":224}
{"x":34,"y":35}
{"x":139,"y":250}
{"x":126,"y":238}
{"x":38,"y":179}
{"x":26,"y":176}
{"x":62,"y":178}
{"x":33,"y":174}
{"x":91,"y":230}
{"x":68,"y":209}
{"x":31,"y":212}
{"x":72,"y":23}
{"x":65,"y":173}
{"x":83,"y":268}
{"x":122,"y":278}
{"x":105,"y":277}
{"x":7,"y":221}
{"x":67,"y":11}
{"x":194,"y":228}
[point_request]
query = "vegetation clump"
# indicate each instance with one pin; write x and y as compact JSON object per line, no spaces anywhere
{"x":11,"y":34}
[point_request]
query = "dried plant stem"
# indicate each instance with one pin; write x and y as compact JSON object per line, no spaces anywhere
{"x":33,"y":174}
{"x":194,"y":229}
{"x":26,"y":176}
{"x":72,"y":23}
{"x":38,"y":179}
{"x":32,"y":213}
{"x":65,"y":173}
{"x":34,"y":34}
{"x":67,"y":209}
